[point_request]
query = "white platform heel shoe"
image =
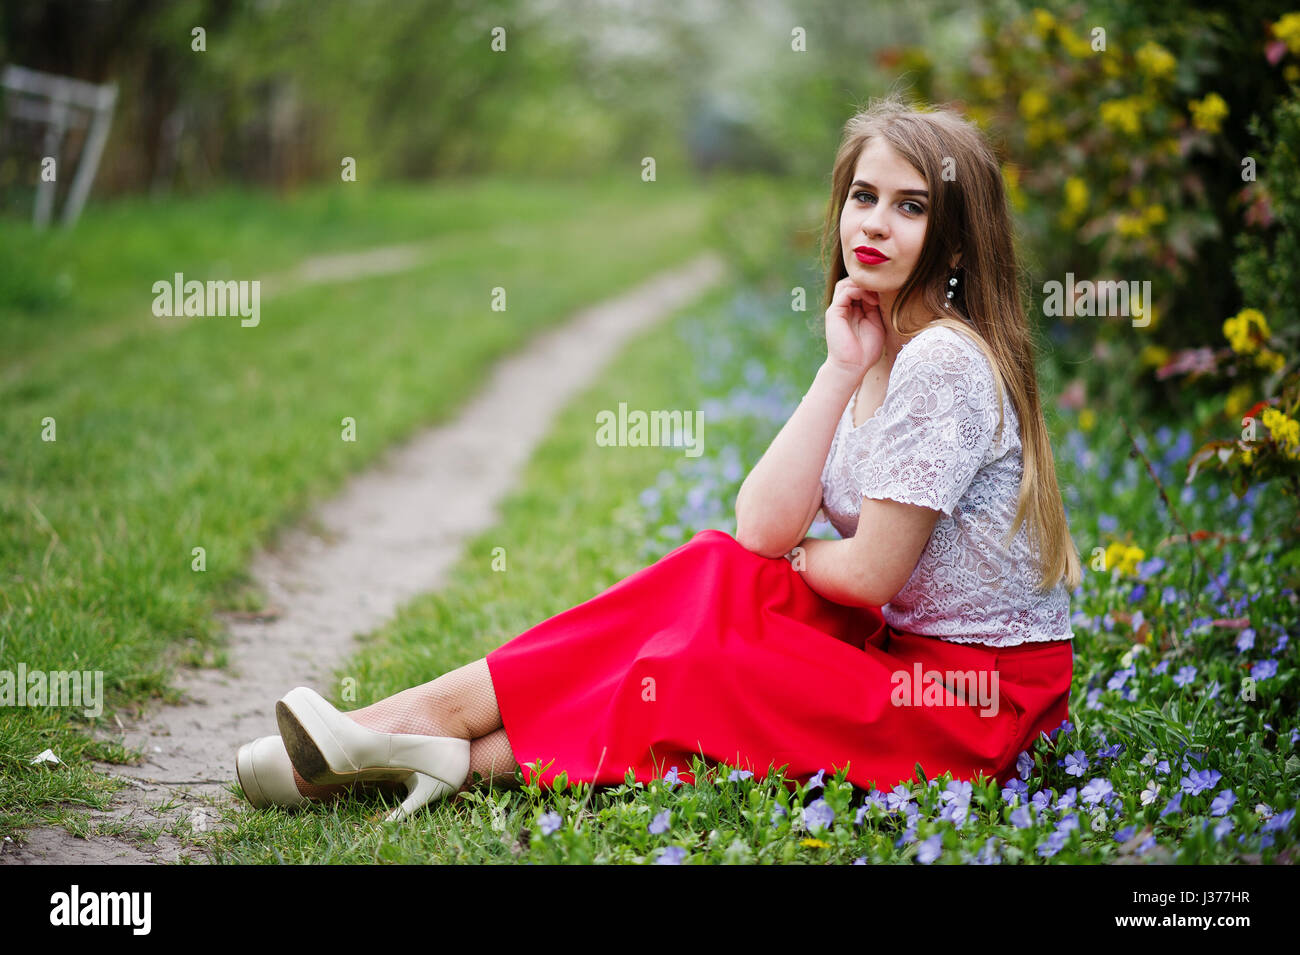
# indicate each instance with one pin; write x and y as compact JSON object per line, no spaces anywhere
{"x":327,"y":747}
{"x":265,"y":774}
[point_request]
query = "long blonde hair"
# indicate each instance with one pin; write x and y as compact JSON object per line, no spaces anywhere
{"x":968,"y":214}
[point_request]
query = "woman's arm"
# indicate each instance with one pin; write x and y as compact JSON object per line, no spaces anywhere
{"x":781,"y":494}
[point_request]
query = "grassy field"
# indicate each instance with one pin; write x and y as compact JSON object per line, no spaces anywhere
{"x":172,"y":434}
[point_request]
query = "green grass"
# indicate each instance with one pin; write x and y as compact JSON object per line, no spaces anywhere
{"x":185,"y":433}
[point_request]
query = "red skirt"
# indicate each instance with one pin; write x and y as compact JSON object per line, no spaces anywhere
{"x":718,"y":652}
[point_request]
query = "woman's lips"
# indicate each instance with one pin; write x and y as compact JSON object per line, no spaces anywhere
{"x":870,"y":258}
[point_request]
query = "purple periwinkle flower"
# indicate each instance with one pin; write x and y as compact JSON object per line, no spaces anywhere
{"x":1160,"y":667}
{"x":1020,"y":818}
{"x":1198,"y":781}
{"x":670,"y":777}
{"x":736,"y":775}
{"x":1222,"y":803}
{"x":1015,"y":788}
{"x":930,"y":849}
{"x":1054,"y":843}
{"x":1118,"y":680}
{"x":1174,"y":805}
{"x":1125,"y":834}
{"x":818,"y":815}
{"x":1246,"y":639}
{"x":660,"y":823}
{"x":1264,"y":669}
{"x":1068,"y":799}
{"x":1024,"y":764}
{"x":671,"y":855}
{"x":549,"y":822}
{"x":1097,"y":790}
{"x":1279,"y":821}
{"x":1075,"y":763}
{"x":816,"y":780}
{"x":1185,"y":675}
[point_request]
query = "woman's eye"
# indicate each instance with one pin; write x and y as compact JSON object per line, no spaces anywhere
{"x":917,"y":208}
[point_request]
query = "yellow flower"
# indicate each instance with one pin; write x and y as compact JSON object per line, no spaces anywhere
{"x":1246,"y":330}
{"x":1285,"y":431}
{"x":1087,"y":418}
{"x":1076,"y":195}
{"x":1237,"y":401}
{"x":1155,"y":61}
{"x":814,"y":843}
{"x":1076,"y":46}
{"x":1110,"y":65}
{"x":1033,"y":103}
{"x":1130,"y":226}
{"x":1043,"y":21}
{"x":1270,"y":361}
{"x":1208,"y":112}
{"x":1124,"y":557}
{"x":1291,"y":73}
{"x":1154,"y":214}
{"x":1248,"y":456}
{"x":1122,"y":114}
{"x":1287,"y":29}
{"x":1153,"y":356}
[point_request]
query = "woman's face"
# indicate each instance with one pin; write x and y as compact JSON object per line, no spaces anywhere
{"x":887,"y":210}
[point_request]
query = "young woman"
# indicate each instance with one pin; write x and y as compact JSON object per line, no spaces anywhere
{"x":935,"y":631}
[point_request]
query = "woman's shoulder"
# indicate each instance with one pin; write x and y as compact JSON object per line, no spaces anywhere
{"x":957,"y":352}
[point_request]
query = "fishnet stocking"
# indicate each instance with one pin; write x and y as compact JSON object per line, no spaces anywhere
{"x":460,"y":703}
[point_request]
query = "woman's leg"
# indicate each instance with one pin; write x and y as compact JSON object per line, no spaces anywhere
{"x":460,"y":703}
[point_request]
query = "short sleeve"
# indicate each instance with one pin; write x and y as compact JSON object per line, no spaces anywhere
{"x":936,"y":425}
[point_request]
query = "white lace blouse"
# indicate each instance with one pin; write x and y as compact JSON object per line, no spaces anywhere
{"x":932,"y":442}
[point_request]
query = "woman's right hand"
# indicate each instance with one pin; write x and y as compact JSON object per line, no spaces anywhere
{"x":855,"y":328}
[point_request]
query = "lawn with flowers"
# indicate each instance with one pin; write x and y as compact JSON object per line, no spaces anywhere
{"x":1182,"y":741}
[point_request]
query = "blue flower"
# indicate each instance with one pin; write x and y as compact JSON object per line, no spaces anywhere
{"x":659,"y":824}
{"x":1067,"y":799}
{"x":1013,"y":789}
{"x":1024,"y":764}
{"x":1185,"y":675}
{"x":1147,"y":846}
{"x":738,"y":774}
{"x":909,"y":835}
{"x":1174,"y":805}
{"x":1246,"y":639}
{"x":670,"y":777}
{"x":1169,"y":595}
{"x":900,"y":797}
{"x":1279,"y":821}
{"x":1117,"y":681}
{"x":1198,"y":781}
{"x":1055,"y":842}
{"x":1020,"y":818}
{"x":549,"y":823}
{"x":1264,"y":669}
{"x":818,"y":815}
{"x":1110,"y":752}
{"x":816,"y":780}
{"x":1160,"y":667}
{"x":1125,"y":834}
{"x":930,"y":849}
{"x":671,"y":855}
{"x":1097,"y":790}
{"x":1040,"y":799}
{"x":1068,"y":822}
{"x":1075,"y":763}
{"x":1222,"y":803}
{"x":1139,"y":591}
{"x":988,"y":855}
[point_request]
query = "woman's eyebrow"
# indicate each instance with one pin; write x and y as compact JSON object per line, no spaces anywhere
{"x":901,"y":192}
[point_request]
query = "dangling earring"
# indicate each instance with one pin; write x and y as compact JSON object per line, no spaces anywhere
{"x":952,"y":288}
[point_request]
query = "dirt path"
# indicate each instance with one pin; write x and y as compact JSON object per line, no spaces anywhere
{"x":387,"y":537}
